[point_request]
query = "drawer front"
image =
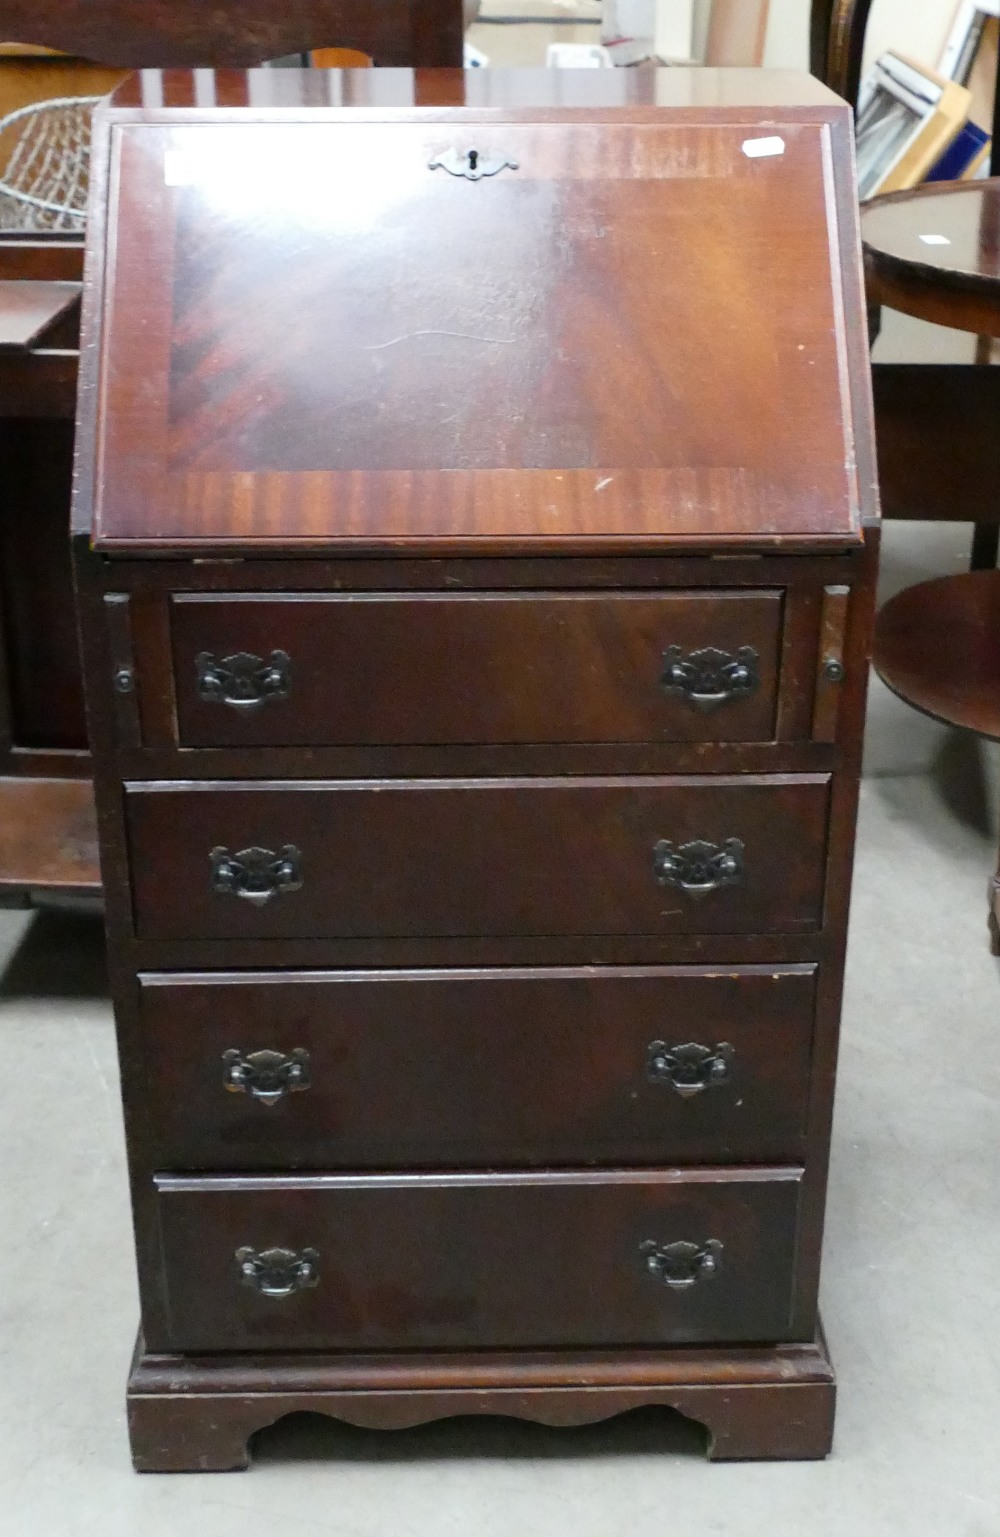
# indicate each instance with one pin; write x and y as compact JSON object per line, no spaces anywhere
{"x":467,"y":1068}
{"x":456,"y":1261}
{"x":454,"y":858}
{"x":314,"y":670}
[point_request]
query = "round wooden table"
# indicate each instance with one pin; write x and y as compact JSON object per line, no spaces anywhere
{"x":935,"y":253}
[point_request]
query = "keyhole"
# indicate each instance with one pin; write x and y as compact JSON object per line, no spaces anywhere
{"x":473,"y":159}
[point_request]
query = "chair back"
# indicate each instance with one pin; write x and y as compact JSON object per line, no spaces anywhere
{"x":185,"y":34}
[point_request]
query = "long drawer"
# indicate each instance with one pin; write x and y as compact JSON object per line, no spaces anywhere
{"x":315,"y":669}
{"x":460,"y":1260}
{"x":469,"y":1068}
{"x":469,"y":858}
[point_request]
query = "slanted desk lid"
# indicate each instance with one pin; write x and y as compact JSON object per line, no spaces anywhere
{"x":615,"y":330}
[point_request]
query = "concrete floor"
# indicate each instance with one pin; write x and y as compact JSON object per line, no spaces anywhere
{"x":911,"y":1284}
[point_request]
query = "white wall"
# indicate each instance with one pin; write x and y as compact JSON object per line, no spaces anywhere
{"x":786,"y":44}
{"x":914,"y":27}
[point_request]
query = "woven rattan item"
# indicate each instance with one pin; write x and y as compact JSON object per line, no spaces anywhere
{"x":45,"y":155}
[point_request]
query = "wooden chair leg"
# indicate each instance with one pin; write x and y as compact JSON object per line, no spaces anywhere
{"x":874,"y":314}
{"x":985,"y":547}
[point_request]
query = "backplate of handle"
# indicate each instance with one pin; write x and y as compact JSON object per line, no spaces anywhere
{"x":699,"y":867}
{"x":689,"y":1069}
{"x":255,"y":874}
{"x":277,"y":1272}
{"x":266,"y":1076}
{"x":708,"y":678}
{"x":243,"y":680}
{"x":682,"y":1265}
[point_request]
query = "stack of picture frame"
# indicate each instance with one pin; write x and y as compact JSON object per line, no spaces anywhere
{"x":919,"y":124}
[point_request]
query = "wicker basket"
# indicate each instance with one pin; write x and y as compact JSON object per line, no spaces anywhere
{"x":45,"y":154}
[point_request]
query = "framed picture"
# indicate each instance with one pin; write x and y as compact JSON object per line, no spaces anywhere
{"x":965,"y":37}
{"x":907,"y":116}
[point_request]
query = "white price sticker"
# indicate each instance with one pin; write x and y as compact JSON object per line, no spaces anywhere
{"x":759,"y":149}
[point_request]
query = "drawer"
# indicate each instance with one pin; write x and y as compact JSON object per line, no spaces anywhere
{"x":326,"y":1070}
{"x":462,"y":858}
{"x":370,"y":1262}
{"x":329,"y":669}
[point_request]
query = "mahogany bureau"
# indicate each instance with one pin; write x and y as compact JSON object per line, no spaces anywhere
{"x":475,"y":542}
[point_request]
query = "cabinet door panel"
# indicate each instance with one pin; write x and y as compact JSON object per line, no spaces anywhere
{"x":462,"y":858}
{"x":461,"y":1069}
{"x":452,"y":1261}
{"x":326,"y":670}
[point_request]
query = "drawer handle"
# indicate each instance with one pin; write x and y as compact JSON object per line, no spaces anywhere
{"x":710,"y":677}
{"x":243,"y":680}
{"x":266,"y":1075}
{"x":689,"y":1069}
{"x":682,"y":1265}
{"x":278,"y":1272}
{"x":698,"y":867}
{"x":257,"y":875}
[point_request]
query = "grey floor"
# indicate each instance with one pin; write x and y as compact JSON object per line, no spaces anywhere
{"x":912,"y":1272}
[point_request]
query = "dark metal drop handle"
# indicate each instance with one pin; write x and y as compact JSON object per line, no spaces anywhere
{"x":682,"y":1265}
{"x":243,"y":680}
{"x":699,"y":867}
{"x":278,"y":1272}
{"x":689,"y":1069}
{"x":256,"y":874}
{"x":709,"y":678}
{"x":266,"y":1075}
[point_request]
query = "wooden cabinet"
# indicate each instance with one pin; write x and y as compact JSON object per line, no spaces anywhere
{"x":475,"y":552}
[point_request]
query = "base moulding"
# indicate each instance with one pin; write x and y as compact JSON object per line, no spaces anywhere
{"x":198,"y":1413}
